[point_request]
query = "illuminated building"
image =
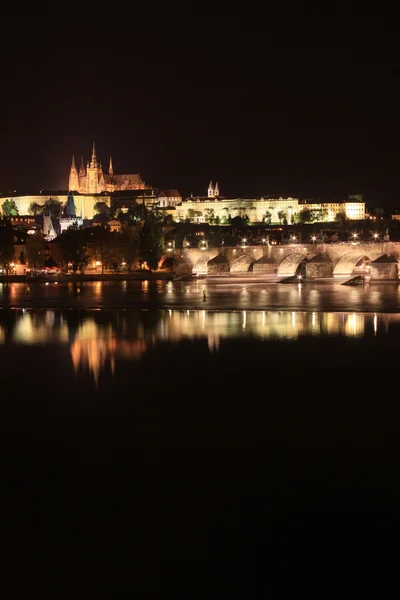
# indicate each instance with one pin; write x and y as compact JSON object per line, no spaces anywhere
{"x":92,"y":180}
{"x":200,"y":209}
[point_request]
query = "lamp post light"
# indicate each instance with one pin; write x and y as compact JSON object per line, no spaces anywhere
{"x":376,"y":237}
{"x":314,"y":238}
{"x":171,"y":248}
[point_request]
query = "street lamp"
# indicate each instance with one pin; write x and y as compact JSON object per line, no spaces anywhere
{"x":314,"y":238}
{"x":171,"y":248}
{"x":376,"y":236}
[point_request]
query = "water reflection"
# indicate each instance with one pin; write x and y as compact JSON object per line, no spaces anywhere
{"x":97,"y":338}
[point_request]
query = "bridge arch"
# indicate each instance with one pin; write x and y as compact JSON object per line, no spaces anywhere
{"x":292,"y":264}
{"x":200,"y":266}
{"x":243,"y":264}
{"x":349,"y":263}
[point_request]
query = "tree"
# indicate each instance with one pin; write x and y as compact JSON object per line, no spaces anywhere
{"x":6,"y":244}
{"x":35,"y":208}
{"x":52,"y":207}
{"x":239,"y":224}
{"x":305,"y":216}
{"x":341,"y":217}
{"x":267,"y":217}
{"x":102,"y":207}
{"x":103,"y":238}
{"x":73,"y":245}
{"x":281,"y":216}
{"x":129,"y":244}
{"x":152,"y":240}
{"x":210,"y":215}
{"x":36,"y":251}
{"x":9,"y":208}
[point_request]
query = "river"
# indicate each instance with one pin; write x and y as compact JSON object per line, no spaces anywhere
{"x":153,"y":438}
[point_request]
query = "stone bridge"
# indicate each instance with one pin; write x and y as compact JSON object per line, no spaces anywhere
{"x":313,"y":260}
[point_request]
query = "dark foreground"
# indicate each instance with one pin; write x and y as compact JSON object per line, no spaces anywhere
{"x":263,"y":468}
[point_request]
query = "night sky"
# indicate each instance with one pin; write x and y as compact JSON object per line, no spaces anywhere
{"x":296,"y":104}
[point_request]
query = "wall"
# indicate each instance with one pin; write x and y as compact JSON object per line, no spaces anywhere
{"x":83,"y":204}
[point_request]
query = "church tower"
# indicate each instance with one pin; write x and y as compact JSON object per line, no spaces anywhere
{"x":73,"y":184}
{"x":216,"y":190}
{"x":82,"y":172}
{"x":211,"y":190}
{"x":93,"y":174}
{"x":110,"y":168}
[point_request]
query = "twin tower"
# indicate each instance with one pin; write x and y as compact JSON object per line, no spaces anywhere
{"x":213,"y":190}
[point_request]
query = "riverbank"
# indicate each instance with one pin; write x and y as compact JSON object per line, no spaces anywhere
{"x":136,"y":275}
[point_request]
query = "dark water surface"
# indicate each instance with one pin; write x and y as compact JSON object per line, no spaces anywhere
{"x":156,"y":444}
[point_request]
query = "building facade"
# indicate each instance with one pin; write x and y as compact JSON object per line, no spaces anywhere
{"x":92,"y":180}
{"x":200,"y":209}
{"x":84,"y":203}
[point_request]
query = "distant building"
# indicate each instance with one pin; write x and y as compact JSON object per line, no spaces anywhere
{"x":353,"y":208}
{"x":92,"y":180}
{"x":23,"y":221}
{"x":200,"y":209}
{"x":213,"y":206}
{"x":168,"y":198}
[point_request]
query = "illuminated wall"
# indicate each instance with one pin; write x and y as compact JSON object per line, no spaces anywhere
{"x":84,"y":204}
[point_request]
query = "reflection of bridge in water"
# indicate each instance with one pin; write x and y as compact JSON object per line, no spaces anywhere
{"x":318,"y":260}
{"x":97,"y":346}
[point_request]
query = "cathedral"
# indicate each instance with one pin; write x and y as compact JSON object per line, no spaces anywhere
{"x":92,"y":180}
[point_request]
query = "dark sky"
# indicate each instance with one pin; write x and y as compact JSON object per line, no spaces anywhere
{"x":299,"y":104}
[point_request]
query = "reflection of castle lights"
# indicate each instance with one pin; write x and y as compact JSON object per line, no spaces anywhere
{"x":244,"y":320}
{"x":313,"y":319}
{"x":375,"y":323}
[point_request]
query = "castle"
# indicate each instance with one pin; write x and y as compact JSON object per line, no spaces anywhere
{"x":92,"y":180}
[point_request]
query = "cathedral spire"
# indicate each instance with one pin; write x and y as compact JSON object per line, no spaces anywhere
{"x":73,"y":183}
{"x":82,"y":172}
{"x":93,"y":162}
{"x":110,"y":168}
